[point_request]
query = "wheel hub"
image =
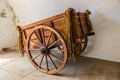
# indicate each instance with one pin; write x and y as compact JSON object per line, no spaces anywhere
{"x":43,"y":50}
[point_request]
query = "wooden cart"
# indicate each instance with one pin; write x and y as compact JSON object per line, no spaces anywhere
{"x":46,"y":44}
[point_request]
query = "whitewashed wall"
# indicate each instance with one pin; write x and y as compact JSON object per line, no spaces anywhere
{"x":7,"y":26}
{"x":105,"y":17}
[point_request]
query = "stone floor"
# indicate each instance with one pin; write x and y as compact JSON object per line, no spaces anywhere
{"x":15,"y":67}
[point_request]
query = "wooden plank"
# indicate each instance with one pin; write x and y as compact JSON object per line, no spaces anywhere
{"x":43,"y":21}
{"x":59,"y":22}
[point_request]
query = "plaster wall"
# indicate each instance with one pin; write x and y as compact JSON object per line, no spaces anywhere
{"x":105,"y":17}
{"x":8,"y":36}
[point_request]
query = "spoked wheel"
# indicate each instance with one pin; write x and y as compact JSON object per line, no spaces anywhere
{"x":80,"y":46}
{"x":46,"y":49}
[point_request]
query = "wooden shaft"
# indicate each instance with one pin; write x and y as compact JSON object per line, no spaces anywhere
{"x":10,"y":48}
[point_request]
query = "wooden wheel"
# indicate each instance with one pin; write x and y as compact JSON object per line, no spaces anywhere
{"x":46,"y":49}
{"x":82,"y":44}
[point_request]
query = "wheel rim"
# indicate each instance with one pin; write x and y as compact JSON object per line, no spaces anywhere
{"x":46,"y":49}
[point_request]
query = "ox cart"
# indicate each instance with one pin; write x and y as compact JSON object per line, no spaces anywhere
{"x":51,"y":41}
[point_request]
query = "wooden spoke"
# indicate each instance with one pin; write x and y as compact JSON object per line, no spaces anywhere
{"x":36,"y":56}
{"x":54,"y":43}
{"x":35,"y":43}
{"x":49,"y":39}
{"x":56,"y":57}
{"x":41,"y":61}
{"x":84,"y":41}
{"x":57,"y":50}
{"x":38,"y":37}
{"x":43,"y":37}
{"x":47,"y":63}
{"x":52,"y":61}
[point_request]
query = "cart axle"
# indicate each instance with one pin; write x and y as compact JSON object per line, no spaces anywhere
{"x":44,"y":50}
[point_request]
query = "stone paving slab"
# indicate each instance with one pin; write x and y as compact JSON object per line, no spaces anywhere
{"x":15,"y":67}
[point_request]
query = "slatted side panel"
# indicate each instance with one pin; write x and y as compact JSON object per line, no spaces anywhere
{"x":56,"y":22}
{"x":60,"y":26}
{"x":85,"y":24}
{"x":25,"y":33}
{"x":82,"y":23}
